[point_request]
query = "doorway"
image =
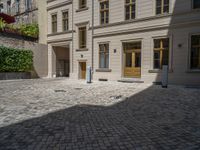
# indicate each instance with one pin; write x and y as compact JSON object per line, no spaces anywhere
{"x":82,"y":70}
{"x":132,"y":59}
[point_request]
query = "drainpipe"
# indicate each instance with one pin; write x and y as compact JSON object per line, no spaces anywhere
{"x":72,"y":59}
{"x":92,"y":37}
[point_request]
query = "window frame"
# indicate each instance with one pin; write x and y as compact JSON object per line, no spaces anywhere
{"x":105,"y":52}
{"x":52,"y":23}
{"x":130,"y":15}
{"x":160,"y":50}
{"x":190,"y":51}
{"x":8,"y":6}
{"x":28,"y":5}
{"x":84,"y":46}
{"x":65,"y":20}
{"x":162,"y":8}
{"x":104,"y":12}
{"x":82,"y":6}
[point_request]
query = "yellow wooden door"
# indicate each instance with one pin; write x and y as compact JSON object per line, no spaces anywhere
{"x":83,"y":70}
{"x":132,"y":64}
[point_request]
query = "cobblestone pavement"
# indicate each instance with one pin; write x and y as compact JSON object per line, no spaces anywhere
{"x":65,"y":114}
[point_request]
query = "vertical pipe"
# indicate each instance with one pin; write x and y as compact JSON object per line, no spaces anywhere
{"x":92,"y":36}
{"x":72,"y":65}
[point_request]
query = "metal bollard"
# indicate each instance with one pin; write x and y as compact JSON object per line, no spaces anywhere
{"x":89,"y":74}
{"x":164,"y":76}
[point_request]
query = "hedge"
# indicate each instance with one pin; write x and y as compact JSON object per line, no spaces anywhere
{"x":15,"y":60}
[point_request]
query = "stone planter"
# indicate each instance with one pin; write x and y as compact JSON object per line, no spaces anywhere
{"x":14,"y":75}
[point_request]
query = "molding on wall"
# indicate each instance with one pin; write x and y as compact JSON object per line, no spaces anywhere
{"x":48,"y":1}
{"x":59,"y":33}
{"x":124,"y":22}
{"x":59,"y":5}
{"x":146,"y":29}
{"x":59,"y":40}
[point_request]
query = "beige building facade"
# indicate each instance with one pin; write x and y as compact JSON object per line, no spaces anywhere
{"x":124,"y":39}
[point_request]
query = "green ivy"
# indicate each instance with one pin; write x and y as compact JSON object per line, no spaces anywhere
{"x":15,"y":60}
{"x":31,"y":30}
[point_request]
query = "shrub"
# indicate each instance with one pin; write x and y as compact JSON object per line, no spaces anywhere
{"x":15,"y":60}
{"x":31,"y":30}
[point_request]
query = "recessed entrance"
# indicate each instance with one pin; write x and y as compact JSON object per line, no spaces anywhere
{"x":62,"y":63}
{"x":132,"y":59}
{"x":82,"y":70}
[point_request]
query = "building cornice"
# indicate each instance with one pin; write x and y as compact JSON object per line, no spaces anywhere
{"x":59,"y":33}
{"x":146,"y":29}
{"x":48,"y":1}
{"x":59,"y":5}
{"x":59,"y":40}
{"x":170,"y":15}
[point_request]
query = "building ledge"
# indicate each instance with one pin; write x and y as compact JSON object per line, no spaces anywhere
{"x":59,"y":33}
{"x":103,"y":70}
{"x":82,"y":49}
{"x":82,"y":9}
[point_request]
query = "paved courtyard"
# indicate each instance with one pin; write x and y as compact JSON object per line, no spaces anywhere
{"x":64,"y":114}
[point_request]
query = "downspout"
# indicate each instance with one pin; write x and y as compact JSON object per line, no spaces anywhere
{"x":72,"y":37}
{"x":92,"y":37}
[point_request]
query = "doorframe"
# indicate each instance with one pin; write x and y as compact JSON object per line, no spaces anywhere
{"x":123,"y":57}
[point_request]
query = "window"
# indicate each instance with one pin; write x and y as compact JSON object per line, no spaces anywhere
{"x":9,"y":7}
{"x":130,"y":9}
{"x":104,"y":12}
{"x":162,"y":6}
{"x":17,"y":6}
{"x":1,"y":7}
{"x":65,"y":20}
{"x":54,"y":23}
{"x":196,"y":4}
{"x":161,"y":53}
{"x":82,"y":37}
{"x":28,"y":4}
{"x":82,"y":4}
{"x":104,"y":56}
{"x":195,"y":52}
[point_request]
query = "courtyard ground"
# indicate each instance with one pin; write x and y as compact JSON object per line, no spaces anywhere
{"x":68,"y":114}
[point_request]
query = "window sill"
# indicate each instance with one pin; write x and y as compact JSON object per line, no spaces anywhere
{"x":159,"y":71}
{"x":81,"y":49}
{"x":103,"y":70}
{"x":193,"y":71}
{"x":82,"y":9}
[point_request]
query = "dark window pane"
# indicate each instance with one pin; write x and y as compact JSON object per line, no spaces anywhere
{"x":156,"y":59}
{"x":166,"y":9}
{"x":195,"y":52}
{"x":104,"y":56}
{"x":158,"y":10}
{"x":128,"y":59}
{"x":137,"y":59}
{"x":156,"y":64}
{"x":158,"y":3}
{"x":157,"y":43}
{"x":165,"y":60}
{"x":166,"y":2}
{"x":196,"y":4}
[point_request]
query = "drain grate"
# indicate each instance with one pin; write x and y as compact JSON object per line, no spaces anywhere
{"x":192,"y":87}
{"x":78,"y":88}
{"x":60,"y":91}
{"x":116,"y":97}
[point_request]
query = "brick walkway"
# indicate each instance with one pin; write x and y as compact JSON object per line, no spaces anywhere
{"x":65,"y":114}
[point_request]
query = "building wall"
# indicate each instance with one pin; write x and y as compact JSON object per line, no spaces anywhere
{"x":178,"y":25}
{"x":40,"y":59}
